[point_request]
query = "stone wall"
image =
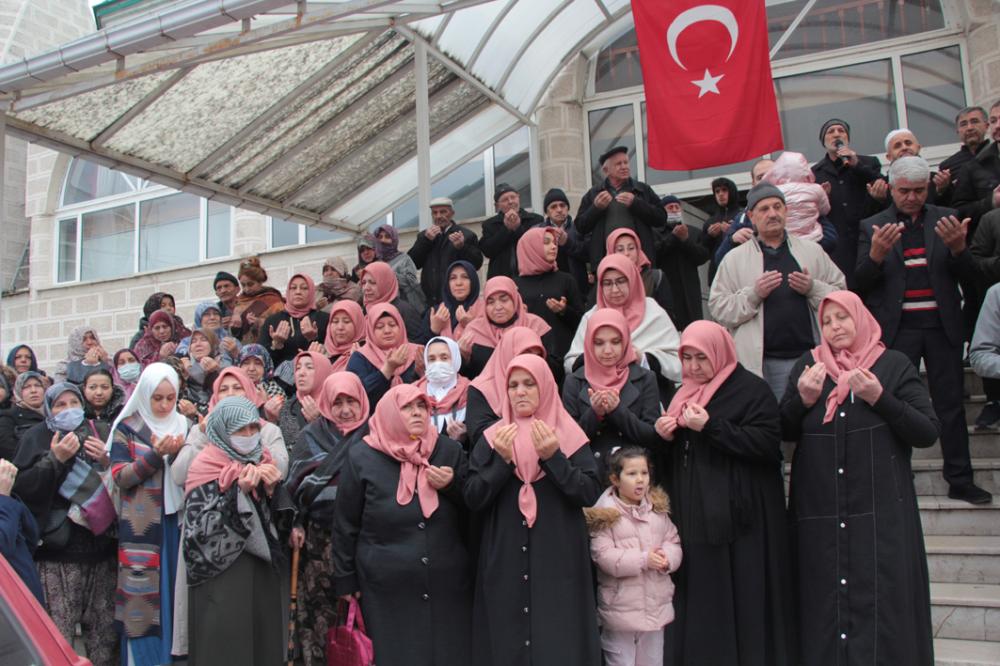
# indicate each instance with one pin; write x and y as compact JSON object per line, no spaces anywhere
{"x":983,"y":30}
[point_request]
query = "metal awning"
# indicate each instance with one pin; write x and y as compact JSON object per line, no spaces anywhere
{"x":307,"y":111}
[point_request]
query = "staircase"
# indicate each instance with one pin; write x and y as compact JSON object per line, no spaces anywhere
{"x":963,"y":547}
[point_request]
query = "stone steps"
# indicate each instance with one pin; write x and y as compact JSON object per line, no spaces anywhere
{"x":952,"y":652}
{"x":927,"y":479}
{"x":963,"y":559}
{"x":966,"y":611}
{"x":947,"y":517}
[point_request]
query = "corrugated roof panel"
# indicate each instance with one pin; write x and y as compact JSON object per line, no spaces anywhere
{"x":86,"y":115}
{"x":466,"y":28}
{"x":215,"y":100}
{"x":509,"y":36}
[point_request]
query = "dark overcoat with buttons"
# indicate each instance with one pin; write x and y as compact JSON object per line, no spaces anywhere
{"x":534,"y":600}
{"x":733,"y":598}
{"x":413,"y":572}
{"x":630,"y":424}
{"x":862,"y":586}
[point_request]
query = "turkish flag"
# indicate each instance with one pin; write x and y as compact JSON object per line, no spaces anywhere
{"x":707,"y":76}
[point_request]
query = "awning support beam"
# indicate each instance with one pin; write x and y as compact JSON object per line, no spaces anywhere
{"x":423,"y":134}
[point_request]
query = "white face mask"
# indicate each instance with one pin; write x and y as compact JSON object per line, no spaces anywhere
{"x":244,"y":444}
{"x":129,"y":372}
{"x":440,"y":373}
{"x":675,"y":218}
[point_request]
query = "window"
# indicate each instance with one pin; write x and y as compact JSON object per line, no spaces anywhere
{"x":512,"y":165}
{"x":932,"y":84}
{"x":286,"y":234}
{"x":609,"y":128}
{"x":111,"y":225}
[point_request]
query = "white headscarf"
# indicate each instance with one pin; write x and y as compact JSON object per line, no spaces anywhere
{"x":439,"y":390}
{"x":173,"y":424}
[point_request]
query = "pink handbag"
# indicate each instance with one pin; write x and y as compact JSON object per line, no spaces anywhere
{"x":349,"y":645}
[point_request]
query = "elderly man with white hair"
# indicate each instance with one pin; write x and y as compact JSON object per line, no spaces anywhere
{"x":911,"y":257}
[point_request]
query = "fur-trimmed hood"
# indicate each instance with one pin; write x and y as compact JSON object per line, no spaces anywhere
{"x":606,"y":511}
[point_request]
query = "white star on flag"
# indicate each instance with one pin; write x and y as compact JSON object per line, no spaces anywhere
{"x":708,"y":84}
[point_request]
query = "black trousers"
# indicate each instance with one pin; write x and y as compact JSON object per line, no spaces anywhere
{"x":945,"y":378}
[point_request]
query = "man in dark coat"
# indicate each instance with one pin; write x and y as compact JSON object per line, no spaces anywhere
{"x":573,"y":254}
{"x":439,"y":246}
{"x":727,"y":210}
{"x":910,"y":259}
{"x":970,"y":124}
{"x":978,"y":188}
{"x":849,"y":175}
{"x":619,"y":201}
{"x":502,"y":231}
{"x":679,"y":253}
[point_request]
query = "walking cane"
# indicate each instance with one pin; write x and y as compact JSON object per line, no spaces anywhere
{"x":292,"y":606}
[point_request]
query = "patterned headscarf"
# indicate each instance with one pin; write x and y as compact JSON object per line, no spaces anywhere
{"x":228,"y":416}
{"x":257,"y":351}
{"x":22,"y":379}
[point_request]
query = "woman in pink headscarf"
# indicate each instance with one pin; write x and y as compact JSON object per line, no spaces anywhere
{"x":725,"y":483}
{"x":548,"y":292}
{"x":530,"y":476}
{"x":612,"y":397}
{"x":379,"y":284}
{"x":345,"y":333}
{"x":626,"y":242}
{"x":388,"y":357}
{"x":295,"y":328}
{"x":856,"y":410}
{"x":398,"y":538}
{"x":311,"y":370}
{"x":504,"y":311}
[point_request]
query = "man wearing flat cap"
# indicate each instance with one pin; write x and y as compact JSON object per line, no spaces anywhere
{"x":619,"y":202}
{"x":439,"y":246}
{"x":768,"y":290}
{"x":848,"y":175}
{"x":502,"y":231}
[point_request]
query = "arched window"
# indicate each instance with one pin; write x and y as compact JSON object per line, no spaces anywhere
{"x":110,"y":224}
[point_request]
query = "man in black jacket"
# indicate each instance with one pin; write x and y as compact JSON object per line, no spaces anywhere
{"x":573,"y":254}
{"x":910,"y":259}
{"x":679,"y":254}
{"x":717,"y":226}
{"x":619,"y":202}
{"x":502,"y":231}
{"x":849,"y":175}
{"x":440,"y":245}
{"x":971,"y":127}
{"x":978,"y":189}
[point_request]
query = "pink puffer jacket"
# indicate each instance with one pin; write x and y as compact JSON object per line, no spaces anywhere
{"x":632,"y":597}
{"x":804,"y":199}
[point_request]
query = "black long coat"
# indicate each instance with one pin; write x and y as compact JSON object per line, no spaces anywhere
{"x":296,"y":342}
{"x":536,"y":289}
{"x":534,"y":602}
{"x":413,"y":573}
{"x":632,"y":423}
{"x":860,"y":561}
{"x":733,"y":595}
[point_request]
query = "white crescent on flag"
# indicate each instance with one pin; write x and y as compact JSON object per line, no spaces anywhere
{"x":697,"y":14}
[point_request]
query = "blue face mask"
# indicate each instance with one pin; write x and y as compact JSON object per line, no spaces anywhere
{"x":67,"y":420}
{"x":129,"y":372}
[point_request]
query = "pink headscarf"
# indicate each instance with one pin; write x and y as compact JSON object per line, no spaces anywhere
{"x":385,"y":282}
{"x":601,"y":377}
{"x":390,"y":436}
{"x":863,"y":352}
{"x":609,"y":245}
{"x":310,"y":305}
{"x":487,"y":334}
{"x":214,"y":464}
{"x":635,"y":307}
{"x":352,"y":310}
{"x":531,"y":252}
{"x":375,"y":354}
{"x":492,"y":381}
{"x":322,"y":369}
{"x":714,"y":342}
{"x":550,"y":411}
{"x":249,"y":389}
{"x":343,"y":383}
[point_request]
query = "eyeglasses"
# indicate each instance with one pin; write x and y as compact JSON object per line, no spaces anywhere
{"x":621,"y":283}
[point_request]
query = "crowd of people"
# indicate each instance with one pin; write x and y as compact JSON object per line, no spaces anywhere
{"x":566,"y":464}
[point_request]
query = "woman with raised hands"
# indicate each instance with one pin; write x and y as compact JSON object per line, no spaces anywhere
{"x":159,"y":340}
{"x":619,"y":287}
{"x":256,"y":362}
{"x":612,"y":397}
{"x":460,"y":302}
{"x":145,"y":439}
{"x":725,"y":483}
{"x":61,"y":463}
{"x":380,"y":285}
{"x":231,"y":549}
{"x":548,"y":292}
{"x":311,"y":370}
{"x":504,"y":310}
{"x":103,"y":400}
{"x":256,"y":302}
{"x":488,"y":392}
{"x":398,"y":539}
{"x":84,"y":352}
{"x":336,"y":285}
{"x":208,"y":315}
{"x":345,"y":333}
{"x":856,"y":410}
{"x":530,"y":476}
{"x":388,"y":357}
{"x":447,"y":389}
{"x":317,"y":462}
{"x":28,"y":396}
{"x":202,"y":365}
{"x":298,"y":325}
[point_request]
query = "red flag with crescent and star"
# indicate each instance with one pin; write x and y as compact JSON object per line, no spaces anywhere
{"x":707,"y":76}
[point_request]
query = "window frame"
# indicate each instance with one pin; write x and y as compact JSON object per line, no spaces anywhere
{"x":892,"y":50}
{"x":147,"y":191}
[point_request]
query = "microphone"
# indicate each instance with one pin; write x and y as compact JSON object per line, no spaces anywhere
{"x":838,"y":144}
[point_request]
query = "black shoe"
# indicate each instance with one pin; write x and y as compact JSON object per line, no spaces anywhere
{"x":970,"y":493}
{"x":989,"y":416}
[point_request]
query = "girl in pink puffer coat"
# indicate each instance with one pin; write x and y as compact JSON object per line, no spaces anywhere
{"x":635,"y":546}
{"x":804,"y":199}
